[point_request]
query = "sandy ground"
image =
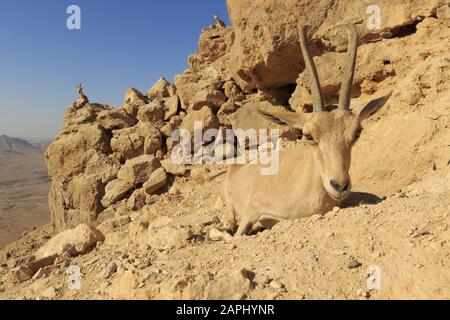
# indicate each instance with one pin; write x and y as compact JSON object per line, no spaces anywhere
{"x":24,"y":186}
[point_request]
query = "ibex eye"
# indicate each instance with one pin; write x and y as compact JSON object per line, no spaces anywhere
{"x":308,"y":137}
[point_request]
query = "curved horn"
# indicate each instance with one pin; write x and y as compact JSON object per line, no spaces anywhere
{"x":346,"y":87}
{"x":311,"y":68}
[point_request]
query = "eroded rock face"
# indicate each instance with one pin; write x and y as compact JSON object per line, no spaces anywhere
{"x":266,"y":51}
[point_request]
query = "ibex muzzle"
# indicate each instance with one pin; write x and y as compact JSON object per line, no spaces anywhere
{"x":314,"y":177}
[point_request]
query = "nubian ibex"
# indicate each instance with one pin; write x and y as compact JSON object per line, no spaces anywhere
{"x":82,"y":98}
{"x":313,"y":177}
{"x":219,"y":23}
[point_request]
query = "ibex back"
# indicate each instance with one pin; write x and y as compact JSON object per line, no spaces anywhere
{"x":314,"y":177}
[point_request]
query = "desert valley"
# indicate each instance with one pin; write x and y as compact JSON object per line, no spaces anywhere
{"x":24,"y":186}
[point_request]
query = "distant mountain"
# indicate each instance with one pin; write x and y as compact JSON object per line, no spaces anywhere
{"x":41,"y":143}
{"x":10,"y":145}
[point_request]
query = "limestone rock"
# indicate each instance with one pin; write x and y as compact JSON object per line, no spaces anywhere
{"x":135,"y":97}
{"x":28,"y":270}
{"x":137,"y":200}
{"x":159,"y":90}
{"x":115,"y":191}
{"x":138,"y":170}
{"x":205,"y":116}
{"x":229,"y":285}
{"x":76,"y":241}
{"x":214,"y":44}
{"x":265,"y":51}
{"x":67,"y":155}
{"x":168,"y":237}
{"x":153,"y":112}
{"x":115,"y":119}
{"x":172,"y":105}
{"x":110,"y":225}
{"x":88,"y":191}
{"x":143,"y":138}
{"x":156,"y":181}
{"x":175,"y":169}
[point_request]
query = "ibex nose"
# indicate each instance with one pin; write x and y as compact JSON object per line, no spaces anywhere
{"x":338,"y":187}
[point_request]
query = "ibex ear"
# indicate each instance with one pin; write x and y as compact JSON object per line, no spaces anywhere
{"x":284,"y":118}
{"x":373,"y":106}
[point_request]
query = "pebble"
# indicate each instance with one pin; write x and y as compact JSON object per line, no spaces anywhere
{"x":353,"y":264}
{"x":109,"y":270}
{"x":363,"y":293}
{"x":49,"y":293}
{"x":277,"y":286}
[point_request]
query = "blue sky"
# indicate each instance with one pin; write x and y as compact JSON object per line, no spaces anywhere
{"x":121,"y":44}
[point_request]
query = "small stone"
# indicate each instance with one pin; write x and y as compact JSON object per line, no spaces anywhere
{"x":276,"y":285}
{"x":215,"y":234}
{"x":49,"y":293}
{"x":362,"y":293}
{"x":109,"y":270}
{"x":422,"y":232}
{"x":45,"y":271}
{"x":353,"y":264}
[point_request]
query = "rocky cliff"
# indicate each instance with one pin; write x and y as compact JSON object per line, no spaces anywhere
{"x":104,"y":155}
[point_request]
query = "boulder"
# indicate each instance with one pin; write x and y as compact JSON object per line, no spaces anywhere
{"x":175,"y":169}
{"x":213,"y":45}
{"x":88,"y":191}
{"x":75,"y":117}
{"x":161,"y":89}
{"x":168,"y":237}
{"x":110,"y":225}
{"x":75,"y":241}
{"x":196,"y":95}
{"x":115,"y":191}
{"x":138,"y":170}
{"x":135,"y":97}
{"x":204,"y":115}
{"x":28,"y":270}
{"x":229,"y":285}
{"x":172,"y":104}
{"x":153,"y":112}
{"x":144,"y":138}
{"x":67,"y":155}
{"x":208,"y":97}
{"x":115,"y":119}
{"x":157,"y":180}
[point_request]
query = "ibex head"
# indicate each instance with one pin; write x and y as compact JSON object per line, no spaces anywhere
{"x":331,"y":131}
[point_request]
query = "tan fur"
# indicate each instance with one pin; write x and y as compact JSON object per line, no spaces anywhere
{"x":312,"y":178}
{"x":301,"y":187}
